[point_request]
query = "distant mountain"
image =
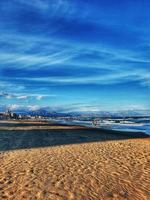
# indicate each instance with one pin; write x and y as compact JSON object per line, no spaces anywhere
{"x":42,"y":112}
{"x":49,"y":112}
{"x":132,"y":113}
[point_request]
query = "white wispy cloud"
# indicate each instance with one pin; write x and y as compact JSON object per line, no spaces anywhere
{"x":33,"y":107}
{"x":25,"y":96}
{"x":38,"y":4}
{"x":39,"y":97}
{"x":24,"y":60}
{"x":120,"y":76}
{"x":60,"y":7}
{"x":22,"y":97}
{"x":13,"y":107}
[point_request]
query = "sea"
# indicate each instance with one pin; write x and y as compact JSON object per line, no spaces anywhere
{"x":132,"y":125}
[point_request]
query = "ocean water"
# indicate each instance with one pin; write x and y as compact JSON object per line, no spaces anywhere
{"x":135,"y":125}
{"x":143,"y":127}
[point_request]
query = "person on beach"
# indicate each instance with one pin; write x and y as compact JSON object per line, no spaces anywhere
{"x":95,"y":122}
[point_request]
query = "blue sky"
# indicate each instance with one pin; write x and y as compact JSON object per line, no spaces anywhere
{"x":75,"y":55}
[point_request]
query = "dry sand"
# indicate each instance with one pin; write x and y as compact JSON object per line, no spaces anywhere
{"x":86,"y":164}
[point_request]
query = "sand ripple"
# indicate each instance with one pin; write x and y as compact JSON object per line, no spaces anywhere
{"x":99,"y":170}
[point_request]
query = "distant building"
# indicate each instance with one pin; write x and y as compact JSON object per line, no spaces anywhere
{"x":1,"y":116}
{"x":14,"y":116}
{"x":8,"y":115}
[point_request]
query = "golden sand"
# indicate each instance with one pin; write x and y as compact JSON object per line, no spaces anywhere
{"x":117,"y":170}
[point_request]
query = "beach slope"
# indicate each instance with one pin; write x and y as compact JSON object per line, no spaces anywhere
{"x":87,"y":164}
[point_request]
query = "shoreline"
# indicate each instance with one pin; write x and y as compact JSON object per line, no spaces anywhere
{"x":25,"y":135}
{"x":48,"y":125}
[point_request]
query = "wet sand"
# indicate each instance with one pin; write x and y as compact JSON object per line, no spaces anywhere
{"x":50,"y":162}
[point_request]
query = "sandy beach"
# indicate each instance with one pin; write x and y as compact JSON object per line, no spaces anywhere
{"x":47,"y":161}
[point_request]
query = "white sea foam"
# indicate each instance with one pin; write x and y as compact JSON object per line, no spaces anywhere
{"x":140,"y":125}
